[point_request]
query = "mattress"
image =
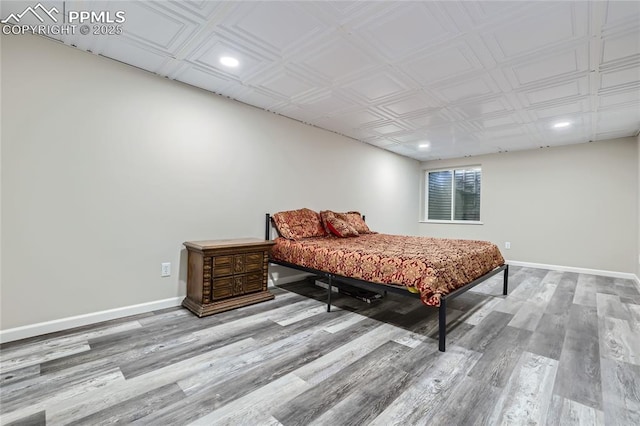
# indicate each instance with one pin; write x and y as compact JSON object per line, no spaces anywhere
{"x":432,"y":267}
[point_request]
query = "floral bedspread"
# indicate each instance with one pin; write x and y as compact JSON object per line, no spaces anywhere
{"x":431,"y":266}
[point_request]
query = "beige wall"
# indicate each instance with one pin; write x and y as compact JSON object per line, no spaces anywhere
{"x":571,"y":206}
{"x":107,"y":169}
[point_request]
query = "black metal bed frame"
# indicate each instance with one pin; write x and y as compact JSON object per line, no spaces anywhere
{"x":376,"y":287}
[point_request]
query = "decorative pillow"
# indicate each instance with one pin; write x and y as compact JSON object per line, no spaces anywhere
{"x":338,"y":224}
{"x":355,"y":219}
{"x":296,"y":224}
{"x":323,"y":219}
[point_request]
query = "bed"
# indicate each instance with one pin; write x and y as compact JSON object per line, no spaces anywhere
{"x":433,"y":269}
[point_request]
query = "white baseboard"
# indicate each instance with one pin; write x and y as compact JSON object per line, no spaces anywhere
{"x":47,"y":327}
{"x":38,"y":329}
{"x":613,"y":274}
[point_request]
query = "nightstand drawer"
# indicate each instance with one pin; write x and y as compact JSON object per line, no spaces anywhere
{"x":236,"y":285}
{"x":237,"y":264}
{"x":254,"y":282}
{"x":222,"y":265}
{"x":254,"y":262}
{"x":222,"y":287}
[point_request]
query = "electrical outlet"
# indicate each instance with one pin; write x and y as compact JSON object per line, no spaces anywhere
{"x":165,"y":270}
{"x":507,"y":245}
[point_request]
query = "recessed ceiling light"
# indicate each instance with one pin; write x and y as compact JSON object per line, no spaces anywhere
{"x":229,"y":61}
{"x":561,"y":124}
{"x":424,"y":145}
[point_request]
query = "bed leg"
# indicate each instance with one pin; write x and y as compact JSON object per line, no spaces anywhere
{"x":506,"y":280}
{"x":442,"y":324}
{"x":329,"y":295}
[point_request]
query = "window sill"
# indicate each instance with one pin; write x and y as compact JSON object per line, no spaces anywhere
{"x":454,"y":222}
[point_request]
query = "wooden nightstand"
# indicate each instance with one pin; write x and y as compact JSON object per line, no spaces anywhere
{"x":226,"y":274}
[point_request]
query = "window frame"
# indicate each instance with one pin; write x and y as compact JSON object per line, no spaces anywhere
{"x":425,"y":194}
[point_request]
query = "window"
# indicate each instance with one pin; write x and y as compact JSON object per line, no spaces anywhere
{"x":453,"y":195}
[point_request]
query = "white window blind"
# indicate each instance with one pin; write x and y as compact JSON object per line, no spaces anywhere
{"x":454,"y":195}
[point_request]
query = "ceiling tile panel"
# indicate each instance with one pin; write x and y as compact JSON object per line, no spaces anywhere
{"x":575,"y":107}
{"x":505,"y":120}
{"x":579,"y":124}
{"x":286,"y":84}
{"x":620,"y":77}
{"x":622,"y":12}
{"x":525,"y":35}
{"x":502,"y":132}
{"x":625,"y":46}
{"x":448,"y":133}
{"x":208,"y":55}
{"x":411,"y":104}
{"x":489,"y":12}
{"x":557,"y":92}
{"x":433,"y":67}
{"x":203,"y":9}
{"x":282,"y":26}
{"x":625,"y":97}
{"x":338,"y":60}
{"x":377,"y":86}
{"x":411,"y":137}
{"x":387,"y":129}
{"x":430,"y":119}
{"x":345,"y":14}
{"x":480,"y":108}
{"x":325,"y":101}
{"x":153,"y":24}
{"x":468,"y":89}
{"x":614,"y":118}
{"x":406,"y":28}
{"x":556,"y":66}
{"x":364,"y":134}
{"x":362,"y":118}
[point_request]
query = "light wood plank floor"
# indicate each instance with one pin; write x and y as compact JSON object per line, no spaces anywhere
{"x":560,"y":349}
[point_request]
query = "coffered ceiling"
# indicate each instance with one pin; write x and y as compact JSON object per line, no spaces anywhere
{"x":423,"y":79}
